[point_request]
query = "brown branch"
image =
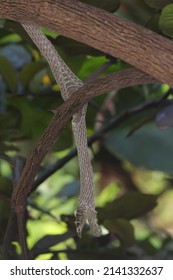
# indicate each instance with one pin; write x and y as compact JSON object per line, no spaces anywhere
{"x":113,"y":35}
{"x":115,"y":81}
{"x":121,"y":79}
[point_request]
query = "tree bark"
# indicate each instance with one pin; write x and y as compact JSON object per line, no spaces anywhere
{"x":113,"y":35}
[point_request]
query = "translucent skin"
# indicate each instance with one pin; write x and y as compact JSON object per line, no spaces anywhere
{"x":69,"y":83}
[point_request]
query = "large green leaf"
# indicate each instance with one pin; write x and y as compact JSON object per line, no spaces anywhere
{"x":148,"y":147}
{"x":8,"y":73}
{"x":130,"y":206}
{"x":166,"y":20}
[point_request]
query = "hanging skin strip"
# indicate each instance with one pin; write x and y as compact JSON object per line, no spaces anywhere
{"x":69,"y":83}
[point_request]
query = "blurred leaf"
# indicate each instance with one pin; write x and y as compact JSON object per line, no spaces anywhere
{"x":31,"y":114}
{"x":139,"y":124}
{"x":5,"y":186}
{"x":37,"y":84}
{"x":3,"y":97}
{"x":136,"y":10}
{"x":158,"y":3}
{"x":148,"y":147}
{"x":17,"y":28}
{"x":42,"y":246}
{"x":8,"y":73}
{"x":123,"y":229}
{"x":29,"y":71}
{"x":3,"y":33}
{"x":153,"y":23}
{"x":166,"y":20}
{"x":65,"y":140}
{"x":34,"y":117}
{"x":49,"y":33}
{"x":5,"y":193}
{"x":73,"y":48}
{"x":129,"y":206}
{"x":90,"y":65}
{"x":69,"y":190}
{"x":75,"y":63}
{"x":129,"y":97}
{"x":17,"y":55}
{"x":10,"y":123}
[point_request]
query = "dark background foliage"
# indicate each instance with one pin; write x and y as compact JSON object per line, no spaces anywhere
{"x":133,"y":161}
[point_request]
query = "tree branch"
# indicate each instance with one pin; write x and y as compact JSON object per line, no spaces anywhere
{"x":140,"y":47}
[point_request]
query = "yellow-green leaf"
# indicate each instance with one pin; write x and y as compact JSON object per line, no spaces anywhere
{"x":166,"y":20}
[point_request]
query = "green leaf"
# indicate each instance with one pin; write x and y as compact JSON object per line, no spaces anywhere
{"x":166,"y":20}
{"x":49,"y":33}
{"x":130,"y":206}
{"x":148,"y":147}
{"x":159,"y":4}
{"x":123,"y":229}
{"x":8,"y":73}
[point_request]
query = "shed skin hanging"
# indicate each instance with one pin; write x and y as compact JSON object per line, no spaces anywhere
{"x":69,"y":83}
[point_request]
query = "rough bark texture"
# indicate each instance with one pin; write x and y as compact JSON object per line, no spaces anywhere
{"x":118,"y":37}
